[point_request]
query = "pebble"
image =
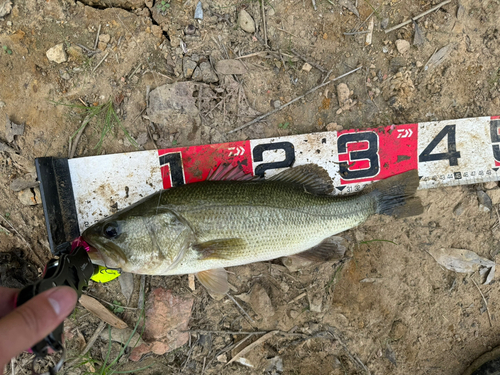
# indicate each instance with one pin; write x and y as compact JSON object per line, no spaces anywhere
{"x":6,"y":8}
{"x":315,"y":302}
{"x":419,"y":64}
{"x":494,"y":194}
{"x":306,"y":67}
{"x":276,"y":104}
{"x":142,"y":139}
{"x":402,"y":46}
{"x":105,"y":38}
{"x":485,"y":203}
{"x":65,"y":76}
{"x":188,"y":67}
{"x":57,"y":54}
{"x":384,"y":23}
{"x":459,"y":209}
{"x":271,"y":12}
{"x":331,"y":127}
{"x":207,"y":73}
{"x":246,"y":22}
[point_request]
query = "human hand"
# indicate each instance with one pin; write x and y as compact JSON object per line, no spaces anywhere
{"x":24,"y":326}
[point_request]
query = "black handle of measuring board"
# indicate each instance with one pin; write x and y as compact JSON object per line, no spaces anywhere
{"x":58,"y":202}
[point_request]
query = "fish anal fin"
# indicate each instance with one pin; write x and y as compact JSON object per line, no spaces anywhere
{"x":229,"y":172}
{"x":215,"y":280}
{"x":224,"y":248}
{"x":329,"y":249}
{"x":314,"y":178}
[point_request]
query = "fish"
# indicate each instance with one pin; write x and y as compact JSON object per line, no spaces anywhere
{"x":232,"y":219}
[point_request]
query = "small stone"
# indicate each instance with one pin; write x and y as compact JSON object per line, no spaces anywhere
{"x":5,"y":8}
{"x":75,"y":53}
{"x":102,"y":46}
{"x":271,"y":12}
{"x":57,"y":54}
{"x":198,"y":12}
{"x":260,"y":302}
{"x":65,"y":76}
{"x":105,"y":38}
{"x":2,"y":104}
{"x":331,"y":127}
{"x":491,"y":185}
{"x":398,"y":330}
{"x":384,"y":23}
{"x":402,"y":46}
{"x":276,"y":104}
{"x":155,"y":137}
{"x":306,"y":67}
{"x":494,"y":194}
{"x":222,"y":358}
{"x":188,"y":67}
{"x":315,"y":302}
{"x":197,"y":75}
{"x":485,"y":203}
{"x":142,"y":139}
{"x":195,"y":57}
{"x":30,"y":197}
{"x":246,"y":22}
{"x":190,"y":29}
{"x":459,"y":209}
{"x":419,"y":64}
{"x":207,"y":73}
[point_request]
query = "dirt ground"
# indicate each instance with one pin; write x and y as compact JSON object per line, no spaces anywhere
{"x":388,"y":308}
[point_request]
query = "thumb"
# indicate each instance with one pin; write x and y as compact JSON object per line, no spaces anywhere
{"x":35,"y":319}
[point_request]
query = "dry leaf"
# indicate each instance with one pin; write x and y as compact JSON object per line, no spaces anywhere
{"x":418,"y":38}
{"x":97,"y":308}
{"x":464,"y":261}
{"x":439,"y":56}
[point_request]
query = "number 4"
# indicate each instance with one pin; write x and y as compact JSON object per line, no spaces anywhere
{"x":451,"y":155}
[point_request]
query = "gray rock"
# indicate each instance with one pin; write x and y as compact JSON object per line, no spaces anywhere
{"x":402,"y":46}
{"x":65,"y":76}
{"x":230,"y":67}
{"x":142,"y":139}
{"x":459,"y":209}
{"x":188,"y":67}
{"x":57,"y":54}
{"x":195,"y":57}
{"x":315,"y":302}
{"x":485,"y":203}
{"x":246,"y":22}
{"x":207,"y":73}
{"x":494,"y":194}
{"x":171,"y":101}
{"x":198,"y":12}
{"x":197,"y":75}
{"x":260,"y":302}
{"x":19,"y":184}
{"x":5,"y":8}
{"x":384,"y":23}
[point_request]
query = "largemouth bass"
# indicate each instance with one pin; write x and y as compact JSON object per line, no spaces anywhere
{"x":203,"y":227}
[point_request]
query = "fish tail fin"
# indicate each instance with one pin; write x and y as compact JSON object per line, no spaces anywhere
{"x":395,"y":196}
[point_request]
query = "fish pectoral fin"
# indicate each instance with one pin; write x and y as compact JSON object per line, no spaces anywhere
{"x":224,"y":248}
{"x":329,"y":249}
{"x":314,"y":178}
{"x":230,"y":172}
{"x":214,"y":280}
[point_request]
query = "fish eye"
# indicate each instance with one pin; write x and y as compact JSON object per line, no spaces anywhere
{"x":111,"y":230}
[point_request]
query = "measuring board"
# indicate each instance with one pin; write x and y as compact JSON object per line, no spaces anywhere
{"x":76,"y":193}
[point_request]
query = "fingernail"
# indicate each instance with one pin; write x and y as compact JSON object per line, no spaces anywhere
{"x":62,"y":300}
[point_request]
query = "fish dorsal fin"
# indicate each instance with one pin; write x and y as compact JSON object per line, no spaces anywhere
{"x":329,"y":249}
{"x":215,"y":280}
{"x":314,"y":178}
{"x":229,"y":172}
{"x":224,"y":248}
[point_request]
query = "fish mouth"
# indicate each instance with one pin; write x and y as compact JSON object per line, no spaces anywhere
{"x":99,"y":254}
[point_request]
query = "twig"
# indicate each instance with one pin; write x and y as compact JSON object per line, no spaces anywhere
{"x":300,"y":296}
{"x":321,"y":69}
{"x":134,"y":71}
{"x":264,"y":22}
{"x":100,"y":62}
{"x":417,"y":17}
{"x":362,"y":23}
{"x":97,"y":37}
{"x":484,"y":300}
{"x":73,"y":144}
{"x":251,"y":346}
{"x":90,"y":343}
{"x":13,"y":366}
{"x":283,"y":333}
{"x":5,"y":229}
{"x":259,"y":118}
{"x":241,"y":308}
{"x":314,"y":4}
